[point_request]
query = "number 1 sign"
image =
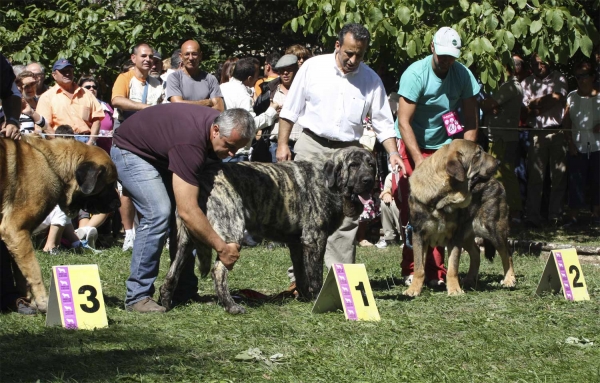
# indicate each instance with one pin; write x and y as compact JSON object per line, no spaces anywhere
{"x":563,"y":270}
{"x":347,"y":287}
{"x":76,"y":300}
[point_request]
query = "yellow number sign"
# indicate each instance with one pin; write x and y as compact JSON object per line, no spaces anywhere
{"x":76,"y":300}
{"x":347,"y":287}
{"x":564,"y":271}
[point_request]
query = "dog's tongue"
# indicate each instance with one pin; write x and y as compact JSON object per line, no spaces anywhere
{"x":365,"y":198}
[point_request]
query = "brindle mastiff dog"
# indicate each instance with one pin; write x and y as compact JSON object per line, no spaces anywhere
{"x":439,"y":187}
{"x":35,"y":176}
{"x":297,"y":203}
{"x":485,"y":217}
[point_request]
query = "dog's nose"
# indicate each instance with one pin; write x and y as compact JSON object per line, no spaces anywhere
{"x":367,"y":180}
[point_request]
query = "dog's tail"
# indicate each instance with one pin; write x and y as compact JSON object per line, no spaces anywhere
{"x":489,"y":250}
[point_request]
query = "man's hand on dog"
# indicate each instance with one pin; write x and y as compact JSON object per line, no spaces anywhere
{"x":10,"y":131}
{"x":229,"y":255}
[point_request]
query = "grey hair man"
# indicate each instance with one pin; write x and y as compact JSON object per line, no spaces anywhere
{"x":159,"y":153}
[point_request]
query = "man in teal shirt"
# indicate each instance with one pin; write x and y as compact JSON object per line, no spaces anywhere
{"x":430,"y":88}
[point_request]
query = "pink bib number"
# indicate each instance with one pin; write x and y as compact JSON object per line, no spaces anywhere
{"x":452,"y":123}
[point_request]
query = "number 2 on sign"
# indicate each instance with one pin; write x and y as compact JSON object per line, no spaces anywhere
{"x":576,"y":283}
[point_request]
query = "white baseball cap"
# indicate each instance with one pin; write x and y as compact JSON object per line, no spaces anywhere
{"x":447,"y":42}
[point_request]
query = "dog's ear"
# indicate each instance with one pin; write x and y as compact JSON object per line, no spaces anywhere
{"x":331,"y":173}
{"x":454,"y":167}
{"x":87,"y":175}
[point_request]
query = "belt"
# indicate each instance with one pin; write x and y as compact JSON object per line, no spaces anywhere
{"x":325,"y":141}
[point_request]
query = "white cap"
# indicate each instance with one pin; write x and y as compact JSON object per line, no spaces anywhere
{"x":447,"y":42}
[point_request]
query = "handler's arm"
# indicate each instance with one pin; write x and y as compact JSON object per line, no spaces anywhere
{"x":406,"y":111}
{"x":186,"y":198}
{"x":471,"y":115}
{"x":124,"y":103}
{"x":283,"y":150}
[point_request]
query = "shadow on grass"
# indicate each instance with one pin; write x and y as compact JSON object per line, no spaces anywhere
{"x":101,"y":355}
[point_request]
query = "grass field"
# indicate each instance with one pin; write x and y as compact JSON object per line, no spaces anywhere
{"x":488,"y":335}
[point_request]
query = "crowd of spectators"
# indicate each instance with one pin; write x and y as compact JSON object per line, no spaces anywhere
{"x":533,"y":108}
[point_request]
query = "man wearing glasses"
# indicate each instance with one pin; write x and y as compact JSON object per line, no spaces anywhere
{"x":544,"y":95}
{"x":68,"y":104}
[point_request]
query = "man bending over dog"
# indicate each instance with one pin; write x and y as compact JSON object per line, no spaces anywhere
{"x":159,"y":153}
{"x":330,"y":97}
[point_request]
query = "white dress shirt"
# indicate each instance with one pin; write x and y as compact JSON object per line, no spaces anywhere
{"x":238,"y":95}
{"x":334,"y":105}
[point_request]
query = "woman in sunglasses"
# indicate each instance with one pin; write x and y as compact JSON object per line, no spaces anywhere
{"x":106,"y":126}
{"x":31,"y":121}
{"x":582,"y":118}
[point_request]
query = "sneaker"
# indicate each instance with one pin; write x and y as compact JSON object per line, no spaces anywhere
{"x":24,"y":307}
{"x":437,"y":284}
{"x":382,"y":244}
{"x":365,"y":243}
{"x":407,"y":280}
{"x":146,"y":305}
{"x":128,"y":243}
{"x":84,"y":248}
{"x":89,"y":234}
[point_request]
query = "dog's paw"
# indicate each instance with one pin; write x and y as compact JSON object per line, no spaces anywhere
{"x":455,"y":292}
{"x":412,"y":292}
{"x":41,"y":305}
{"x":235,"y":309}
{"x":509,"y":282}
{"x":469,"y":284}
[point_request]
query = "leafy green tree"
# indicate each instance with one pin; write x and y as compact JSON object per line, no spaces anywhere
{"x":97,"y":35}
{"x":402,"y":30}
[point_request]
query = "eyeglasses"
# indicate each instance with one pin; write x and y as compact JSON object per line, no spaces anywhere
{"x":91,"y":87}
{"x":30,"y":85}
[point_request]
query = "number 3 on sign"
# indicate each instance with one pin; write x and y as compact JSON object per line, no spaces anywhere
{"x":76,"y":298}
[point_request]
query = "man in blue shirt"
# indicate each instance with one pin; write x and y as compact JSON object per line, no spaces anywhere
{"x":429,"y":89}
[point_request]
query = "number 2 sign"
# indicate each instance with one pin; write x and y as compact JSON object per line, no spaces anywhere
{"x":76,"y":300}
{"x":563,"y":270}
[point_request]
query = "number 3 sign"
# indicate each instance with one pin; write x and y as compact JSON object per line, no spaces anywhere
{"x":563,"y":270}
{"x":347,"y":287}
{"x":76,"y":300}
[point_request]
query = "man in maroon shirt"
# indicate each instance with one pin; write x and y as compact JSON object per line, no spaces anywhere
{"x":159,"y":153}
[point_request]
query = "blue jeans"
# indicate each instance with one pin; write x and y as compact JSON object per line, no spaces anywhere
{"x":151,"y":192}
{"x":273,"y":149}
{"x":237,"y":158}
{"x":83,"y":138}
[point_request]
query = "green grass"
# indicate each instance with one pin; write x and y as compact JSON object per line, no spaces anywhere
{"x":488,"y":335}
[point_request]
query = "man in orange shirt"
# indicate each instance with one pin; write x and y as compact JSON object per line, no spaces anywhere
{"x":68,"y":104}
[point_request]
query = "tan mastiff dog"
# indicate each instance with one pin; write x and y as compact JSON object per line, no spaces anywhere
{"x":440,"y":187}
{"x":35,"y":176}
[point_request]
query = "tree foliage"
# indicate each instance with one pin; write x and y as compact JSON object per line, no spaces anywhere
{"x":98,"y":34}
{"x":402,"y":30}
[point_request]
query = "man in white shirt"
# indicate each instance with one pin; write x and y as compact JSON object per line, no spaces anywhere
{"x":330,"y":97}
{"x":237,"y":93}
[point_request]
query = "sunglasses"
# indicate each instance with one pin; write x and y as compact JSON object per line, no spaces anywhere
{"x":30,"y":85}
{"x":582,"y":76}
{"x":91,"y":87}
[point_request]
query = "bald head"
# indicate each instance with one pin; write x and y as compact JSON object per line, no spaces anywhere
{"x":191,"y":56}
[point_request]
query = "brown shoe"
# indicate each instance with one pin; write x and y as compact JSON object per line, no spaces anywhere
{"x":146,"y":305}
